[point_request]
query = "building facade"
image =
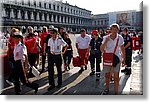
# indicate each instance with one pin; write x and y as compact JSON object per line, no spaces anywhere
{"x":24,"y":13}
{"x":133,"y":20}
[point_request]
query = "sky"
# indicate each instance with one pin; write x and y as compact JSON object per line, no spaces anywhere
{"x":104,"y":6}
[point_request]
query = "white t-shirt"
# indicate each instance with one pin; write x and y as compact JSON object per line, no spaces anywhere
{"x":19,"y":51}
{"x":83,"y":43}
{"x":110,"y":46}
{"x":56,"y":45}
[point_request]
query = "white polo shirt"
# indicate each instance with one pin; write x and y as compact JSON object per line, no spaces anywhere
{"x":19,"y":51}
{"x":56,"y":45}
{"x":110,"y":46}
{"x":83,"y":43}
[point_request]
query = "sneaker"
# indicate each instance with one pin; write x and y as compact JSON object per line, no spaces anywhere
{"x":92,"y":73}
{"x":9,"y":82}
{"x":38,"y":66}
{"x":50,"y":88}
{"x":105,"y":92}
{"x":85,"y":67}
{"x":97,"y":77}
{"x":68,"y":67}
{"x":59,"y":86}
{"x":81,"y":70}
{"x":124,"y":70}
{"x":36,"y":89}
{"x":128,"y":72}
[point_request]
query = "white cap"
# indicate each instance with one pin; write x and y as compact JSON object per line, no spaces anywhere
{"x":36,"y":34}
{"x":51,"y":27}
{"x":18,"y":34}
{"x":115,"y":24}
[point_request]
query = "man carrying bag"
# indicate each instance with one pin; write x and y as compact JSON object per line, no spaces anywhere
{"x":111,"y":47}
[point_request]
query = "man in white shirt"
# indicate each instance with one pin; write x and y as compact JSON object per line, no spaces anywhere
{"x":82,"y":45}
{"x":21,"y":63}
{"x":55,"y":45}
{"x":108,"y":46}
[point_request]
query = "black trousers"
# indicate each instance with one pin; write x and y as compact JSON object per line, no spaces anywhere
{"x":11,"y":65}
{"x":32,"y":57}
{"x":67,"y":57}
{"x":20,"y":74}
{"x":92,"y":58}
{"x":128,"y":57}
{"x":57,"y":59}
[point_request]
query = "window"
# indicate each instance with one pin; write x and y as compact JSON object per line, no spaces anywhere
{"x":53,"y":7}
{"x":44,"y":5}
{"x":22,"y":2}
{"x":68,"y":9}
{"x":61,"y":9}
{"x":101,"y":22}
{"x":34,"y":3}
{"x":29,"y":3}
{"x":98,"y":22}
{"x":49,"y":6}
{"x":40,"y":4}
{"x":57,"y":8}
{"x":95,"y":22}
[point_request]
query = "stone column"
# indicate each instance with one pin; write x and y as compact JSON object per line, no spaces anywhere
{"x":66,"y":19}
{"x":47,"y":19}
{"x":26,"y":15}
{"x":60,"y":19}
{"x":4,"y":13}
{"x":32,"y":16}
{"x":69,"y":19}
{"x":42,"y":16}
{"x":52,"y":18}
{"x":12,"y":14}
{"x":37,"y":16}
{"x":19,"y":14}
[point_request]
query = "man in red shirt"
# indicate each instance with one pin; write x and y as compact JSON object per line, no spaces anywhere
{"x":31,"y":49}
{"x":43,"y":36}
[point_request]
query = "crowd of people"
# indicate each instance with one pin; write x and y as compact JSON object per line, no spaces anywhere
{"x":55,"y":45}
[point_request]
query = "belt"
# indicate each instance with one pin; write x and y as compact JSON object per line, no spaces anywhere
{"x":55,"y":53}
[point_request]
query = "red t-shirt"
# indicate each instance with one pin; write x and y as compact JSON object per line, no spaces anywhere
{"x":30,"y":44}
{"x":43,"y":36}
{"x":11,"y":45}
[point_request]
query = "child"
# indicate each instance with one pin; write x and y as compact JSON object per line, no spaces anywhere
{"x":21,"y":63}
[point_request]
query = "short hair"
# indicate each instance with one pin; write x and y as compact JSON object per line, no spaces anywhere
{"x":83,"y":30}
{"x":125,"y":29}
{"x":45,"y":29}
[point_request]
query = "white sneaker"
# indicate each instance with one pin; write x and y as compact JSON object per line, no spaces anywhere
{"x":9,"y":82}
{"x":38,"y":66}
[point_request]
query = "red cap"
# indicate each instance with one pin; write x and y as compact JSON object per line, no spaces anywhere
{"x":94,"y":32}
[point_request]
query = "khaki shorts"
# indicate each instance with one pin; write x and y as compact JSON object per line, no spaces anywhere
{"x":107,"y":69}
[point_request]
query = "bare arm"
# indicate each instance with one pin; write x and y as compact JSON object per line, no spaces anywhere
{"x":65,"y":49}
{"x":102,"y":47}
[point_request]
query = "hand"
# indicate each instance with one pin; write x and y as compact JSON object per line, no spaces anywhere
{"x":123,"y":63}
{"x":108,"y":38}
{"x":63,"y":52}
{"x":26,"y":69}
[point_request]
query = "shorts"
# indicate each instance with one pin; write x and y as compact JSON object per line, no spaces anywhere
{"x":107,"y":69}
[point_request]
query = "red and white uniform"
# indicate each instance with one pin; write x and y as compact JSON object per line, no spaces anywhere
{"x":43,"y":36}
{"x":83,"y":45}
{"x":30,"y":44}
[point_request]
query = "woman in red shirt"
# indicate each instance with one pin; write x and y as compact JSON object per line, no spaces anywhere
{"x":11,"y":45}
